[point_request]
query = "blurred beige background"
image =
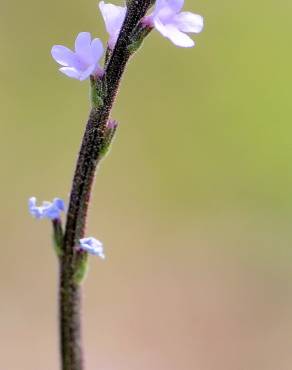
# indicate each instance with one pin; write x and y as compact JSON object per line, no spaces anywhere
{"x":194,"y":203}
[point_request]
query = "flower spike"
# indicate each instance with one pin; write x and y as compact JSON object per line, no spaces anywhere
{"x":50,"y":210}
{"x":84,"y":61}
{"x":168,"y":19}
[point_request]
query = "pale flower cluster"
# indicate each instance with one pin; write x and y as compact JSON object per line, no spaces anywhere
{"x":167,"y":18}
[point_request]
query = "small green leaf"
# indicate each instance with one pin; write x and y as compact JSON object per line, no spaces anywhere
{"x":109,"y":135}
{"x":58,"y":236}
{"x":96,"y":92}
{"x":81,"y":267}
{"x":138,"y":37}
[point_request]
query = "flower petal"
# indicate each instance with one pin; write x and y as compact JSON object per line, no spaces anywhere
{"x":163,"y":11}
{"x":70,"y":72}
{"x":33,"y":209}
{"x":97,"y":49}
{"x":92,"y":246}
{"x":32,"y":202}
{"x":189,"y":22}
{"x":83,"y":75}
{"x":160,"y":4}
{"x":59,"y":203}
{"x":113,"y":16}
{"x":173,"y":6}
{"x":171,"y":32}
{"x":63,"y":55}
{"x":50,"y":210}
{"x":82,"y":45}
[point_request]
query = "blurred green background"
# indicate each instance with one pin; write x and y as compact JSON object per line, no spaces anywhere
{"x":194,"y":203}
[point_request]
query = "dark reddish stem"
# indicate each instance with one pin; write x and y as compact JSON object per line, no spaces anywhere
{"x":89,"y":156}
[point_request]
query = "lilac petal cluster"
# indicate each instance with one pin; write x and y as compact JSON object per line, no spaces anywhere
{"x":82,"y":62}
{"x":50,"y":210}
{"x":113,"y":17}
{"x":172,"y":23}
{"x":92,"y":246}
{"x":167,"y":18}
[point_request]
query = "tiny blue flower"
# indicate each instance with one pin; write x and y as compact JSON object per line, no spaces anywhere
{"x":84,"y":61}
{"x":172,"y":23}
{"x":50,"y":210}
{"x":92,"y":246}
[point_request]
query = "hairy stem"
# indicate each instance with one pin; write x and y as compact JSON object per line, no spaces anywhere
{"x":89,"y":156}
{"x":70,"y":331}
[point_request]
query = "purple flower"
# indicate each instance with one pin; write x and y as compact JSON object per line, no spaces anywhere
{"x":84,"y":61}
{"x":92,"y":246}
{"x":51,"y":210}
{"x":114,"y":17}
{"x":173,"y":24}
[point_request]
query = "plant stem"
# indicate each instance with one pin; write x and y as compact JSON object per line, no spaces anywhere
{"x":70,"y":331}
{"x":89,"y":156}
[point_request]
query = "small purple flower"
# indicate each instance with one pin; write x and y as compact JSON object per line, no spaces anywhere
{"x":84,"y":61}
{"x":173,"y":24}
{"x":92,"y":246}
{"x":113,"y":17}
{"x":51,"y":210}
